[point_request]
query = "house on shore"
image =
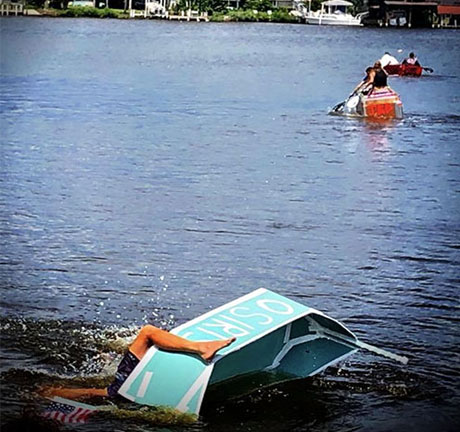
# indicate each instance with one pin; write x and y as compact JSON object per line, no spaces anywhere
{"x":383,"y":13}
{"x":8,"y":7}
{"x":449,"y":14}
{"x":414,"y":13}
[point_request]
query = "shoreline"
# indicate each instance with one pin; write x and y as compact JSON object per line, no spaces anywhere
{"x":278,"y":16}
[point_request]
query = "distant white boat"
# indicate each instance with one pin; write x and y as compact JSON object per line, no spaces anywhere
{"x":333,"y":12}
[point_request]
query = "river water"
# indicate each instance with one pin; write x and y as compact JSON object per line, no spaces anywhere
{"x":151,"y":171}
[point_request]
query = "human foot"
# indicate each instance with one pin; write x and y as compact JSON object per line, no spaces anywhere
{"x":208,"y":350}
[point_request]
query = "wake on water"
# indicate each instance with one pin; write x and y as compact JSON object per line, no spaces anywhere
{"x":67,"y":354}
{"x":63,"y":347}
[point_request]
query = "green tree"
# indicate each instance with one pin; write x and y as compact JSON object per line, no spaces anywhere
{"x":213,"y":5}
{"x":315,"y":4}
{"x":260,"y":5}
{"x":201,"y":5}
{"x":59,"y":4}
{"x":37,"y":3}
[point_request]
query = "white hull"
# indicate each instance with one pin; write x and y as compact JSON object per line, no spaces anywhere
{"x":332,"y":19}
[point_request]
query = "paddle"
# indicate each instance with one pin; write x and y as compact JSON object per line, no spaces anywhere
{"x":340,"y":105}
{"x":359,"y":344}
{"x":428,"y":69}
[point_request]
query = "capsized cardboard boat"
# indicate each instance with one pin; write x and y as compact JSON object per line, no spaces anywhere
{"x":277,"y":335}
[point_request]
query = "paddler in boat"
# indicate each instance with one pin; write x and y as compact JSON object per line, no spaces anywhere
{"x":376,"y":78}
{"x":148,"y":336}
{"x":380,"y":81}
{"x":388,"y":59}
{"x":411,"y":60}
{"x":366,"y":84}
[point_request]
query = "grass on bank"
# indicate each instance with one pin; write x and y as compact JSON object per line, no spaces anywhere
{"x":84,"y":12}
{"x":92,"y":12}
{"x":238,"y":15}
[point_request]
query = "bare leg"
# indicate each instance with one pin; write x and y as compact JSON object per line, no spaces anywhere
{"x":73,"y":393}
{"x":150,"y":335}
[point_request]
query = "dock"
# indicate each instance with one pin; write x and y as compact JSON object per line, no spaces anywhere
{"x":160,"y":9}
{"x":190,"y":15}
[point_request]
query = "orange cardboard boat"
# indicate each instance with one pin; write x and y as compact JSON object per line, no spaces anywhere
{"x":383,"y":103}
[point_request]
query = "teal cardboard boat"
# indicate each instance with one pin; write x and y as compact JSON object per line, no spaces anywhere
{"x":277,"y":339}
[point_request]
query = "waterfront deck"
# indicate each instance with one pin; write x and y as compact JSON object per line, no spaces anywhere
{"x":160,"y":9}
{"x":189,"y":15}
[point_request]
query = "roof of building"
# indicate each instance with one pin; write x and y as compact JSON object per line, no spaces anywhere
{"x":337,"y":3}
{"x":410,"y":3}
{"x":448,"y":10}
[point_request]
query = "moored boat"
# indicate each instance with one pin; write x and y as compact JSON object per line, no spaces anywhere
{"x":333,"y":12}
{"x":404,"y":70}
{"x":378,"y":104}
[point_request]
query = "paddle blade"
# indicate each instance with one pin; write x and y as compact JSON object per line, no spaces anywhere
{"x":338,"y":107}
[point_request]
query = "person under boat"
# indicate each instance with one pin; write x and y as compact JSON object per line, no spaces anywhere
{"x":388,"y":59}
{"x":148,"y":336}
{"x":411,"y":60}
